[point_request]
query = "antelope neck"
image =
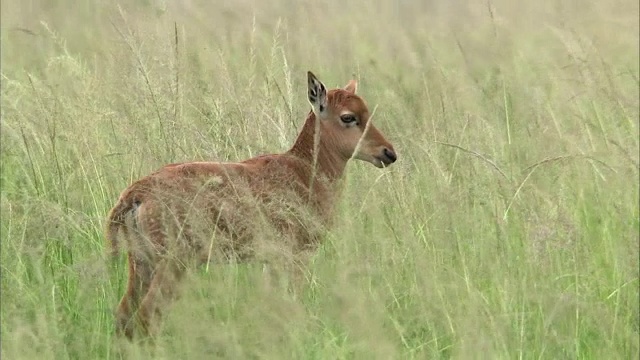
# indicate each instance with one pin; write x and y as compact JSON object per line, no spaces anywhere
{"x":329,"y":162}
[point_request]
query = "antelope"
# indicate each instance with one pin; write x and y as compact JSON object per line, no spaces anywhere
{"x":186,"y":214}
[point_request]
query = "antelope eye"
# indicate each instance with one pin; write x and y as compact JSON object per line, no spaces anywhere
{"x":348,"y":118}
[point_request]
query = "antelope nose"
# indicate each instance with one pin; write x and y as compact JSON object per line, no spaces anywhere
{"x":391,"y":155}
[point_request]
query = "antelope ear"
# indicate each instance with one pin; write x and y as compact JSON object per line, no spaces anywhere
{"x":352,"y":86}
{"x":317,"y":93}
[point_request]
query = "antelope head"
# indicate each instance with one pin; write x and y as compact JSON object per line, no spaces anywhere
{"x":344,"y":121}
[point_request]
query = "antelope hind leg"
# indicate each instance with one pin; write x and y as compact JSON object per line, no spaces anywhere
{"x":162,"y":290}
{"x":140,"y":274}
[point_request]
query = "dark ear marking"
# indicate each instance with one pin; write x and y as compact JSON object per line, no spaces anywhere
{"x":317,"y":93}
{"x":313,"y":95}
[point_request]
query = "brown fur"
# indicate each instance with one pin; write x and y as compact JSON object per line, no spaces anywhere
{"x":187,"y":214}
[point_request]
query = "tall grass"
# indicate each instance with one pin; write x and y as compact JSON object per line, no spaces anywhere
{"x":507,"y":229}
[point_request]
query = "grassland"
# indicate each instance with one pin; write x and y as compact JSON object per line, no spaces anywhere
{"x":507,"y":229}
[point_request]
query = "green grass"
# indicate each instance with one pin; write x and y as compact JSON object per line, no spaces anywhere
{"x":507,"y":229}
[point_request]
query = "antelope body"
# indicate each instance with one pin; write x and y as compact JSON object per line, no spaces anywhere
{"x":187,"y":214}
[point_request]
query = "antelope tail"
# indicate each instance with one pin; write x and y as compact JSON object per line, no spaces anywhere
{"x":116,"y":222}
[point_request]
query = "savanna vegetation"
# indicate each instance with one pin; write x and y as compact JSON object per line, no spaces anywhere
{"x":508,"y":227}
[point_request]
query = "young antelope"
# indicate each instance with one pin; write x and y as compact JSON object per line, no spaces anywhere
{"x":191,"y":213}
